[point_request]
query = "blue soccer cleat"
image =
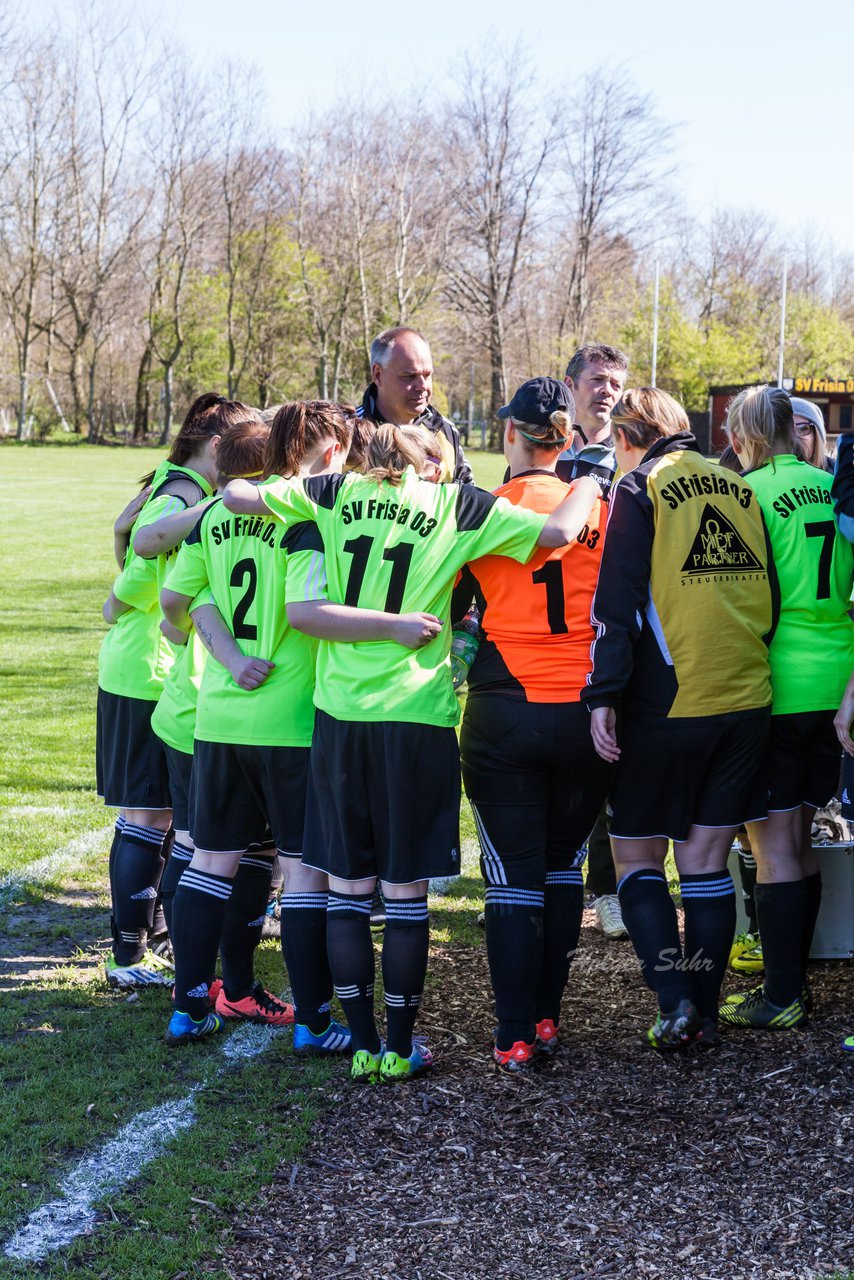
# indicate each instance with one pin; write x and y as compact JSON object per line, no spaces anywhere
{"x":335,"y":1039}
{"x":183,"y":1029}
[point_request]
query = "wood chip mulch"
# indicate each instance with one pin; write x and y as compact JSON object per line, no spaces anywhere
{"x":609,"y":1161}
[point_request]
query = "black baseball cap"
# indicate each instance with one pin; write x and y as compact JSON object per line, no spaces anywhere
{"x":537,"y":399}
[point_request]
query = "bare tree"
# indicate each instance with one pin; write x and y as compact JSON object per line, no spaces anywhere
{"x":499,"y":148}
{"x":31,"y":169}
{"x":615,"y":156}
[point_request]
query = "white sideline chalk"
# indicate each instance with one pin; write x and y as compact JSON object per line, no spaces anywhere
{"x":43,"y":868}
{"x":120,"y":1160}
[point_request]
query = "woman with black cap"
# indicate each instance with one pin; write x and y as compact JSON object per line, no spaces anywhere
{"x":533,"y":778}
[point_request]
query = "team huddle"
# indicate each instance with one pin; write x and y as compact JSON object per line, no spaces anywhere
{"x":647,"y":638}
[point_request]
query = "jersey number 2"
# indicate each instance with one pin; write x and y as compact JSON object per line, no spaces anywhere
{"x":400,"y":558}
{"x":825,"y":529}
{"x":242,"y":629}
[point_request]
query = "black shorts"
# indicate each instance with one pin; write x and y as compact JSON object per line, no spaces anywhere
{"x":238,"y":789}
{"x":847,"y":805}
{"x":383,"y":800}
{"x":130,"y":760}
{"x":804,"y":759}
{"x":535,"y":783}
{"x":180,"y":766}
{"x":707,"y":771}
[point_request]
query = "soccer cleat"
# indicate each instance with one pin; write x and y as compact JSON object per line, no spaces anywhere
{"x":675,"y":1030}
{"x":741,"y":942}
{"x":749,"y":959}
{"x":335,"y":1039}
{"x":394,"y":1068}
{"x":259,"y":1006}
{"x":609,"y":917}
{"x":757,"y":1011}
{"x":547,"y":1041}
{"x":272,"y":926}
{"x":150,"y":971}
{"x":848,"y":1043}
{"x":519,"y":1057}
{"x":365,"y":1067}
{"x":708,"y":1037}
{"x":738,"y":997}
{"x":183,"y":1029}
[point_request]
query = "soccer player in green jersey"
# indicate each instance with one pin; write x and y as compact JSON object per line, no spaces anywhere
{"x":251,"y":747}
{"x":385,"y":772}
{"x":812,"y":653}
{"x":133,"y":661}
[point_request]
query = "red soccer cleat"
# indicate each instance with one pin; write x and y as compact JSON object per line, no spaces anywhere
{"x":259,"y":1006}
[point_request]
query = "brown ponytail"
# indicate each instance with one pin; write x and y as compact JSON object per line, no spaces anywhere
{"x":208,"y":416}
{"x":299,"y":427}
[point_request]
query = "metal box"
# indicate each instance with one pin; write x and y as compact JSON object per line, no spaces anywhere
{"x":834,"y":933}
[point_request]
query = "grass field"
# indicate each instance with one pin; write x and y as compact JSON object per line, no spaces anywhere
{"x":77,"y":1061}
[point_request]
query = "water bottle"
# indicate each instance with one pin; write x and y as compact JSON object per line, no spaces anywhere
{"x":465,"y":642}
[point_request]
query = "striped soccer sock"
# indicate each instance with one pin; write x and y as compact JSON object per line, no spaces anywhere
{"x":406,"y":944}
{"x":708,"y":901}
{"x":564,"y":906}
{"x":137,"y":868}
{"x":198,"y":913}
{"x":179,"y":859}
{"x":514,"y":947}
{"x":351,"y":961}
{"x":650,"y":917}
{"x":306,"y":959}
{"x":244,"y":924}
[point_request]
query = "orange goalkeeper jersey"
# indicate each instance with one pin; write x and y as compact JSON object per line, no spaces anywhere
{"x":536,"y":616}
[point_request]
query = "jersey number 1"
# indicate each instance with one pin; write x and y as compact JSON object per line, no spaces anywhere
{"x":400,"y":558}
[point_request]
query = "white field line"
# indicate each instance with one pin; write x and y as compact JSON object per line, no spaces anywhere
{"x":121,"y":1160}
{"x":43,"y":868}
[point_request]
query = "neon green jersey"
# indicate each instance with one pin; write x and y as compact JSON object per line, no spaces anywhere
{"x":812,"y":652}
{"x":135,"y":657}
{"x":397,"y":548}
{"x":174,"y":717}
{"x":246,"y":561}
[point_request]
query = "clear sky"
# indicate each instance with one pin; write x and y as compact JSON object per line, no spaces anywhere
{"x":763,"y":90}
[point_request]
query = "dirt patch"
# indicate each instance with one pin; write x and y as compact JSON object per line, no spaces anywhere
{"x":39,"y":937}
{"x":609,"y":1161}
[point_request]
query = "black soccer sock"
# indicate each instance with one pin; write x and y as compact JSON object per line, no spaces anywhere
{"x":351,"y":961}
{"x":244,"y":924}
{"x":813,"y":884}
{"x":782,"y":913}
{"x":179,"y":859}
{"x":747,"y":874}
{"x":198,"y":912}
{"x":117,"y":835}
{"x":137,"y":868}
{"x":159,"y":927}
{"x":708,"y":901}
{"x":514,"y":947}
{"x":564,"y":906}
{"x":306,"y":958}
{"x":406,"y":943}
{"x":650,"y":917}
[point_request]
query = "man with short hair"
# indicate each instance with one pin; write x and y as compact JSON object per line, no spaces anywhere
{"x":596,"y":375}
{"x":402,"y":372}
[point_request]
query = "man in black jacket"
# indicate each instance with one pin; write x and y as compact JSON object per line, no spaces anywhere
{"x":402,"y":372}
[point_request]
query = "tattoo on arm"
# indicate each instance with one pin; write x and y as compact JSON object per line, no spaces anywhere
{"x":207,"y":638}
